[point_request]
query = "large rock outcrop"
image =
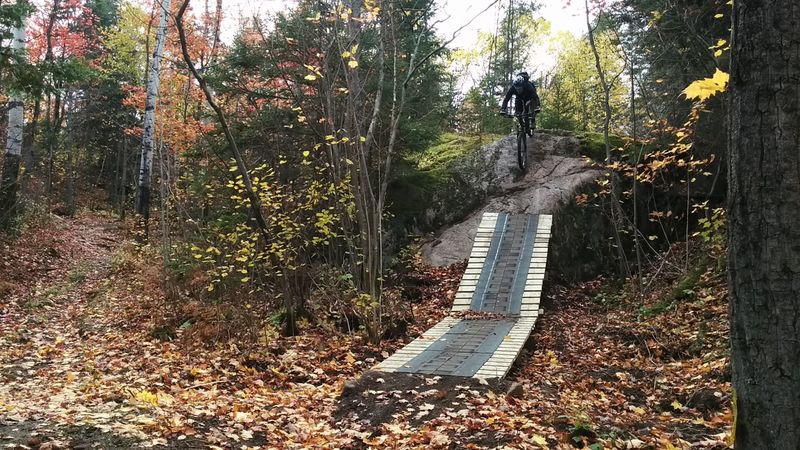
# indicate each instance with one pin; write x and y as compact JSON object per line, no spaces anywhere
{"x":557,"y":173}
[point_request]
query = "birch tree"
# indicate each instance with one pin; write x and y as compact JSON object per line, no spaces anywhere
{"x":148,"y":133}
{"x":9,"y":183}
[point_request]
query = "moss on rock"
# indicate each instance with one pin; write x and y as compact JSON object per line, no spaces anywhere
{"x":428,"y":188}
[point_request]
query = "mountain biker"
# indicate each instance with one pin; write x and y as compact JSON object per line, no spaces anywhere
{"x":526,"y":96}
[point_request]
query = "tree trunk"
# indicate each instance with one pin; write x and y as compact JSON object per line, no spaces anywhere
{"x":28,"y":148}
{"x":54,"y":120}
{"x":606,"y":84}
{"x":9,"y":182}
{"x":764,"y":209}
{"x":69,"y":195}
{"x":153,"y":81}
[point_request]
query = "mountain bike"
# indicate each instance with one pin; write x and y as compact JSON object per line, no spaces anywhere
{"x":521,"y":125}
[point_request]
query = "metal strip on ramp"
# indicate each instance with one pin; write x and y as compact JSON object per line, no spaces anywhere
{"x":504,"y":279}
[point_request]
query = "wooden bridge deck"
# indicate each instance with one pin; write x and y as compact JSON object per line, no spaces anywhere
{"x":503,"y":279}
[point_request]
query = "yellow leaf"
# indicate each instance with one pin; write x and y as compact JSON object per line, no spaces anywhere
{"x":719,"y":16}
{"x":245,"y":279}
{"x":354,"y":48}
{"x":346,"y":54}
{"x":539,"y":440}
{"x":352,"y":64}
{"x":310,"y":77}
{"x":147,"y":397}
{"x":676,"y":405}
{"x":306,"y":153}
{"x":707,"y":87}
{"x":329,"y":137}
{"x":718,"y":53}
{"x":639,"y":410}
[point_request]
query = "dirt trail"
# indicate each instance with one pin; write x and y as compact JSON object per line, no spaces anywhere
{"x":49,"y":356}
{"x":555,"y":172}
{"x":81,"y":366}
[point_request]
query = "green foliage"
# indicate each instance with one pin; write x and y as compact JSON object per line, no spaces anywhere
{"x":16,"y":73}
{"x":422,"y":177}
{"x":684,"y":288}
{"x":301,"y":221}
{"x":30,"y":214}
{"x":106,"y":11}
{"x":124,"y":60}
{"x":77,"y":275}
{"x":593,"y":144}
{"x":572,"y":96}
{"x":449,"y":147}
{"x":671,"y":40}
{"x":713,"y":230}
{"x":582,"y":432}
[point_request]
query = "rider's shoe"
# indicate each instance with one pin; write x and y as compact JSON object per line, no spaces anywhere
{"x":530,"y":133}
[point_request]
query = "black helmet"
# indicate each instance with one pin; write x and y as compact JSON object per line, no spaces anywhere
{"x":519,"y":82}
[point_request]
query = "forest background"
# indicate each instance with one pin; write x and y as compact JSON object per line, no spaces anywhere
{"x":278,"y":179}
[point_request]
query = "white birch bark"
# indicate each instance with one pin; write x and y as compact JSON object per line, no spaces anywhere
{"x":16,"y":121}
{"x":15,"y":129}
{"x":153,"y":82}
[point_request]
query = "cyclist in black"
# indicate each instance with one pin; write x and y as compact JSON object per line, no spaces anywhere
{"x":526,"y":97}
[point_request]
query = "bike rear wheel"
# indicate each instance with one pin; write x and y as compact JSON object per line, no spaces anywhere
{"x":522,"y":151}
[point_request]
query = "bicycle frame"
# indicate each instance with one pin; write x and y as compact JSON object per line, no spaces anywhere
{"x":521,"y":117}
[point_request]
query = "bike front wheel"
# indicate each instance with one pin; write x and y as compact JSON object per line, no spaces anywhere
{"x":522,"y":151}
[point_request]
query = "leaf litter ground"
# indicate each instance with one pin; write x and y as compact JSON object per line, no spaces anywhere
{"x":82,"y":368}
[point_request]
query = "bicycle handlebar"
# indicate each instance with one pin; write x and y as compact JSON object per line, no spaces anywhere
{"x":510,"y":116}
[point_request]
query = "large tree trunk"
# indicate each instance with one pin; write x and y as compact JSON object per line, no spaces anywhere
{"x":153,"y":82}
{"x":9,"y":182}
{"x":764,"y":208}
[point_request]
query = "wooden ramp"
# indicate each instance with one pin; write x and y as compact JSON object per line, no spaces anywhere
{"x":503,"y":279}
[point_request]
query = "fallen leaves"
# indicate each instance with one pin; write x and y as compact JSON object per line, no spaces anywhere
{"x":603,"y":375}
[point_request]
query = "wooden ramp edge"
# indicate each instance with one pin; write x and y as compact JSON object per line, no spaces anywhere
{"x":503,"y":280}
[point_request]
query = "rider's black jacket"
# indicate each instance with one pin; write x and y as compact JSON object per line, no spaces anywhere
{"x":524,"y":93}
